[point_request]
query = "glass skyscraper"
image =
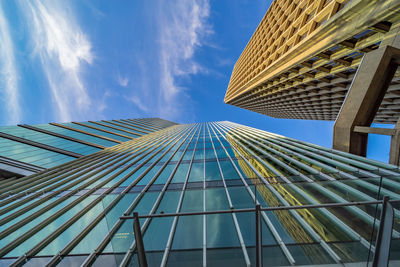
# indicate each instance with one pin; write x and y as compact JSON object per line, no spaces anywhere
{"x":27,"y":149}
{"x":196,"y":188}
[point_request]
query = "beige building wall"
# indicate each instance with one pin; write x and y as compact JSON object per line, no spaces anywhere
{"x":303,"y":56}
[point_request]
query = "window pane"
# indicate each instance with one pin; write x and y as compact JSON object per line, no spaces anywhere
{"x":164,"y":175}
{"x":156,"y":235}
{"x":228,"y":170}
{"x":197,"y":172}
{"x":212,"y":171}
{"x":180,"y":174}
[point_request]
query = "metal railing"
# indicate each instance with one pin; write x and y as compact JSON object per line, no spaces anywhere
{"x":382,"y":245}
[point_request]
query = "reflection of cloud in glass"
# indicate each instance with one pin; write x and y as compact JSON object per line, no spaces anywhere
{"x":197,"y":172}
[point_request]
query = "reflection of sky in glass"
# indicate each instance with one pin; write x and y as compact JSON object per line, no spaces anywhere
{"x":219,"y":230}
{"x":197,"y":172}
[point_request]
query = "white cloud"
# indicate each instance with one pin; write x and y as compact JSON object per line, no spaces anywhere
{"x":8,"y":73}
{"x":122,"y":81}
{"x":178,"y":32}
{"x":182,"y":26}
{"x":63,"y":50}
{"x":139,"y":103}
{"x":102,"y":104}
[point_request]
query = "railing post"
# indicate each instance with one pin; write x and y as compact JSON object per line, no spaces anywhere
{"x":258,"y":237}
{"x":139,"y":241}
{"x":384,"y":237}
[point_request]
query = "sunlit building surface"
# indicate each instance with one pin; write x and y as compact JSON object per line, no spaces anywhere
{"x":27,"y":149}
{"x":303,"y":56}
{"x":78,"y":213}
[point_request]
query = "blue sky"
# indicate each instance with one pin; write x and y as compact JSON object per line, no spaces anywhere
{"x":89,"y":60}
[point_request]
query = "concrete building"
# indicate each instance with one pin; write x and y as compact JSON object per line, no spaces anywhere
{"x":208,"y":194}
{"x":307,"y":57}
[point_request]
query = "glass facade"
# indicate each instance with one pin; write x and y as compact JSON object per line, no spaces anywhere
{"x":196,"y":187}
{"x":49,"y":145}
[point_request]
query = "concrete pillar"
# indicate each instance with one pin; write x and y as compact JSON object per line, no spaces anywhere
{"x":394,"y":156}
{"x":363,"y":99}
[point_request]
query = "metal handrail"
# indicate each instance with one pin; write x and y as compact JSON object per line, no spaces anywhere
{"x":381,"y":257}
{"x":326,"y":205}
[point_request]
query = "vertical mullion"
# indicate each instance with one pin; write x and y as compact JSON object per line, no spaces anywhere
{"x":296,"y":215}
{"x":78,"y":215}
{"x":127,"y":257}
{"x":76,"y":182}
{"x":238,"y":231}
{"x":344,"y":227}
{"x":174,"y":223}
{"x":122,"y":150}
{"x":268,"y":222}
{"x":362,"y":183}
{"x":204,"y":200}
{"x":365,"y":216}
{"x":89,"y":260}
{"x":63,"y":182}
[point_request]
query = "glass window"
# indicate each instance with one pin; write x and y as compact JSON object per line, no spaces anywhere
{"x":125,"y":127}
{"x":123,"y":238}
{"x":167,"y":156}
{"x":216,"y":199}
{"x":177,"y":155}
{"x":188,"y":155}
{"x":231,"y":152}
{"x":49,"y":140}
{"x":77,"y":135}
{"x":149,"y":176}
{"x":192,"y":258}
{"x":221,"y":153}
{"x":115,"y":128}
{"x":199,"y":154}
{"x":212,"y":171}
{"x":221,"y":231}
{"x":240,"y":197}
{"x":65,"y":237}
{"x":29,"y":212}
{"x":311,"y":254}
{"x":189,"y":233}
{"x":209,"y":154}
{"x":30,"y":154}
{"x":156,"y":235}
{"x":272,"y":256}
{"x":46,"y":230}
{"x":190,"y":225}
{"x":164,"y":175}
{"x":94,"y":131}
{"x":228,"y":170}
{"x":192,"y":201}
{"x":226,"y":257}
{"x":72,"y":261}
{"x":192,"y":144}
{"x":208,"y":145}
{"x":197,"y":172}
{"x":180,"y":174}
{"x":244,"y":169}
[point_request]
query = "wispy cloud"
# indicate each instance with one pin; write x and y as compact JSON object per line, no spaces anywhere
{"x":63,"y":50}
{"x":183,"y":24}
{"x":122,"y":81}
{"x":167,"y":60}
{"x":8,"y":73}
{"x":137,"y":102}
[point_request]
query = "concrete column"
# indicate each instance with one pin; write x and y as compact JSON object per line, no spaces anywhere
{"x":394,"y":156}
{"x":363,"y":99}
